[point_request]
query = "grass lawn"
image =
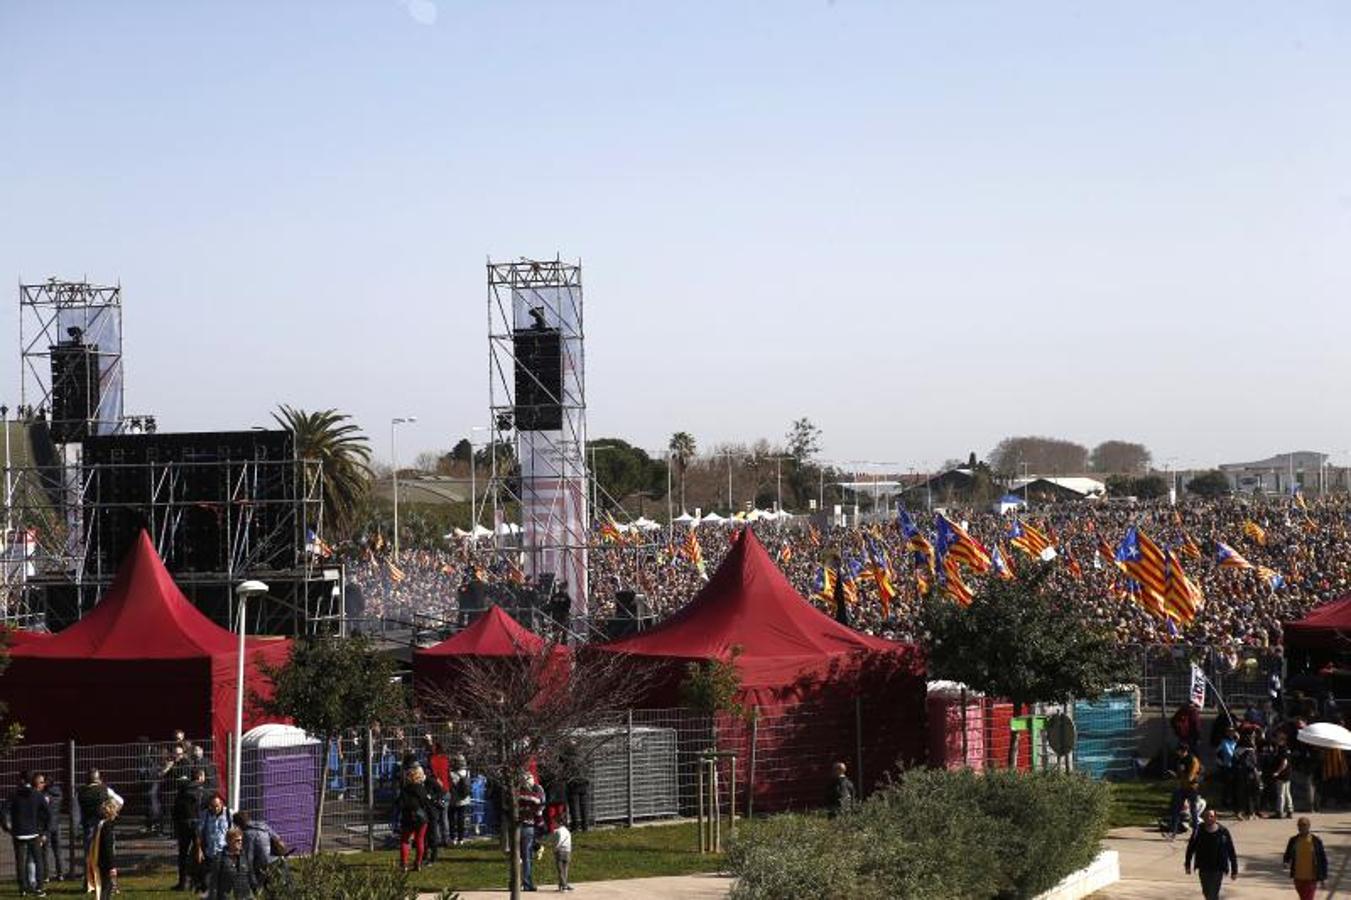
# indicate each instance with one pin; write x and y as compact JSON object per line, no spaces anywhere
{"x":603,"y":855}
{"x":1141,"y":803}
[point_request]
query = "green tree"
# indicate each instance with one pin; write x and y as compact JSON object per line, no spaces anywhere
{"x":1021,"y":641}
{"x":682,"y":448}
{"x":463,"y":450}
{"x":329,"y":685}
{"x":1209,"y":484}
{"x":344,"y":456}
{"x":623,"y":470}
{"x":804,"y":440}
{"x":1120,"y":456}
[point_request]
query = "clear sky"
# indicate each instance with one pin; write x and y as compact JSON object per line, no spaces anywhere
{"x":925,"y":226}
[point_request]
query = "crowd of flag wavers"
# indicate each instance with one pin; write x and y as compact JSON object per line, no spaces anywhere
{"x":1222,"y":573}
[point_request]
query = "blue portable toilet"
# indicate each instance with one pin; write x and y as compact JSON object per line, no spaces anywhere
{"x":282,"y":766}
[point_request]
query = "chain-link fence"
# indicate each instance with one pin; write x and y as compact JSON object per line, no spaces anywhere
{"x":1165,"y":675}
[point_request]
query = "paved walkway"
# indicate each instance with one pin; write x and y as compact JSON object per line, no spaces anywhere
{"x":676,"y":887}
{"x":1151,"y":868}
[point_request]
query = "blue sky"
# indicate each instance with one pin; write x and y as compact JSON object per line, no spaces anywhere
{"x":925,"y":226}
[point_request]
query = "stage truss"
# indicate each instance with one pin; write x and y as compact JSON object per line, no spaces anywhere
{"x":56,"y":313}
{"x":55,"y":567}
{"x":545,"y":482}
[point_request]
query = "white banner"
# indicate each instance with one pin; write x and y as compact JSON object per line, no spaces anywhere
{"x":1198,"y":691}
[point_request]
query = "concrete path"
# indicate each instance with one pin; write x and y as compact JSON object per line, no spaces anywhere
{"x":1151,"y":868}
{"x":676,"y":887}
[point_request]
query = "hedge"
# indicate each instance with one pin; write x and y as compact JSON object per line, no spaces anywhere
{"x":934,"y":835}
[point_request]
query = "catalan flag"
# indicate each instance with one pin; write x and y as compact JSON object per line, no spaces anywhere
{"x":1190,"y":548}
{"x":786,"y":553}
{"x":1229,"y":558}
{"x":953,"y":585}
{"x":1108,"y":555}
{"x":609,"y":530}
{"x":1029,"y":540}
{"x":813,"y":536}
{"x":879,"y":568}
{"x":1182,"y":598}
{"x":1273,"y":578}
{"x":1073,"y":565}
{"x":1002,"y":567}
{"x":849,"y":572}
{"x":694,"y":553}
{"x":953,"y":542}
{"x":917,"y":543}
{"x":395,"y":573}
{"x":1143,"y":561}
{"x":1298,"y":494}
{"x":1254,"y":531}
{"x":823,"y":587}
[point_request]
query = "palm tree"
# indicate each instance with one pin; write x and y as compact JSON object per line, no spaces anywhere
{"x":344,"y":455}
{"x":683,"y":449}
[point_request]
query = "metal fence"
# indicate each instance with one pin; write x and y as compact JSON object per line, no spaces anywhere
{"x":136,"y":772}
{"x":1165,"y":675}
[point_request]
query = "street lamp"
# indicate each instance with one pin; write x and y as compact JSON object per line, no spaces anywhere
{"x":244,"y":591}
{"x":394,"y":458}
{"x":595,"y":479}
{"x":473,"y":481}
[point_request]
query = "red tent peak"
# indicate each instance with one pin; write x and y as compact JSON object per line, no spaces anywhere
{"x":494,"y":634}
{"x":143,"y":615}
{"x":747,"y":602}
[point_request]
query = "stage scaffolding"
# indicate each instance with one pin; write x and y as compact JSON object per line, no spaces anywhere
{"x":535,"y":308}
{"x":70,"y":348}
{"x":57,"y":565}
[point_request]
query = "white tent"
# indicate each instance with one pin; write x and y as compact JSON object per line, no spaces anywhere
{"x":685,"y":519}
{"x":461,"y":534}
{"x":507,"y":528}
{"x":714,"y":518}
{"x":643,"y":523}
{"x":781,"y":515}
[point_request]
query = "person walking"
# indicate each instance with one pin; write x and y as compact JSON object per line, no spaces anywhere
{"x":230,"y":876}
{"x":27,"y":822}
{"x":1248,"y":773}
{"x":259,"y":843}
{"x":439,"y":763}
{"x":560,"y":839}
{"x":1225,"y":756}
{"x":1211,"y":851}
{"x":1187,"y":769}
{"x":188,"y":803}
{"x":89,"y":799}
{"x":1307,"y":859}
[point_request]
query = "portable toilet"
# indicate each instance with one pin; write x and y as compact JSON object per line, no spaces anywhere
{"x":281,"y":781}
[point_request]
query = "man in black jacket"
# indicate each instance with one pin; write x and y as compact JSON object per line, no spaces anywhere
{"x":1211,"y":849}
{"x":54,"y":797}
{"x":188,"y":803}
{"x":28,"y":824}
{"x":840,"y":793}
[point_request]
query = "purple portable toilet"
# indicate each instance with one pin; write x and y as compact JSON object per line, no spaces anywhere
{"x":281,"y":781}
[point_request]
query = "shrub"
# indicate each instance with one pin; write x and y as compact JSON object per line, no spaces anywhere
{"x":934,"y":835}
{"x":326,"y":877}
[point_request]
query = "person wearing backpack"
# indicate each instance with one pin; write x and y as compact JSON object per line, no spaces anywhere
{"x":437,"y":798}
{"x":461,"y":798}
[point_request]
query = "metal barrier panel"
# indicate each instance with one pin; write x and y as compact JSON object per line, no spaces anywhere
{"x":1106,"y":735}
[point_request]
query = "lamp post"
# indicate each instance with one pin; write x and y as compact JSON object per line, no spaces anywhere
{"x":244,"y":591}
{"x":473,"y":482}
{"x":728,"y":454}
{"x":394,"y":457}
{"x":595,"y":478}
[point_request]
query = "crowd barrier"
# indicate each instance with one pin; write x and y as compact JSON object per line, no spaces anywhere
{"x":642,"y":765}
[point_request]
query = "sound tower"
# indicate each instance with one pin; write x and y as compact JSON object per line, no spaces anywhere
{"x":539,"y":379}
{"x":75,"y":389}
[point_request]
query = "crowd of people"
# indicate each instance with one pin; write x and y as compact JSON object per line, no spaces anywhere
{"x":222,"y":854}
{"x":1258,"y":768}
{"x":1304,"y":545}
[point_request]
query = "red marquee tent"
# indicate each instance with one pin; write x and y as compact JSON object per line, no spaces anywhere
{"x":840,"y":689}
{"x":495,"y":635}
{"x":1327,"y":627}
{"x":144,"y":661}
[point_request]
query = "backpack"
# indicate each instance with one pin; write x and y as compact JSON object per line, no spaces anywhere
{"x":461,"y":787}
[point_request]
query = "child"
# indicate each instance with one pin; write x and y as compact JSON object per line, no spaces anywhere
{"x":561,"y":840}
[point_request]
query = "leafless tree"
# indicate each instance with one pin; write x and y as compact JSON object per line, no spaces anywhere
{"x":532,"y":708}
